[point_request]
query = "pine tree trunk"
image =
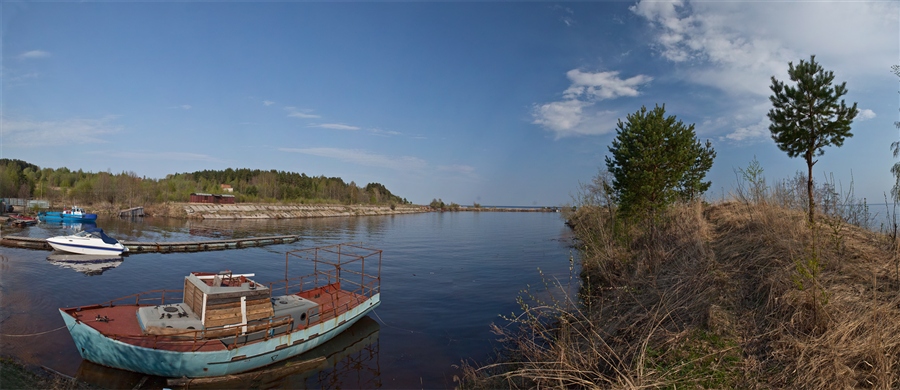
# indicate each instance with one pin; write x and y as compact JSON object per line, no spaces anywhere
{"x":809,"y":190}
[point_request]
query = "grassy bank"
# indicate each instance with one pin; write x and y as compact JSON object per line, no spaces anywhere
{"x":731,"y":295}
{"x":14,"y":375}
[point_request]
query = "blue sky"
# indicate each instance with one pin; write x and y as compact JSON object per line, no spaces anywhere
{"x":500,"y":103}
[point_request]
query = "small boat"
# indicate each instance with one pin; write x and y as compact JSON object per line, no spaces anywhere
{"x":227,"y":323}
{"x":91,"y":241}
{"x":75,"y":214}
{"x":21,"y":220}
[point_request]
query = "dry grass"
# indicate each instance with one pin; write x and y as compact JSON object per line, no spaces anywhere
{"x":734,"y":295}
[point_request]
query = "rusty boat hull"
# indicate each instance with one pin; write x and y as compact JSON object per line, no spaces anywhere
{"x":227,"y":324}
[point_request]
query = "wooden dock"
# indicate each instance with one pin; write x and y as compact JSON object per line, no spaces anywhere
{"x":132,"y":212}
{"x":162,"y":247}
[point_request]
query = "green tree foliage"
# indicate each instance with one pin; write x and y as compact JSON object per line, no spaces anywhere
{"x":895,"y":147}
{"x":20,"y":179}
{"x":437,"y":204}
{"x":692,"y":184}
{"x":655,"y":161}
{"x":810,"y":115}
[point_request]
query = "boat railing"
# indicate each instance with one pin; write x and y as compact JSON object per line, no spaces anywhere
{"x":236,"y":334}
{"x":299,"y":284}
{"x":368,"y":285}
{"x":154,"y":297}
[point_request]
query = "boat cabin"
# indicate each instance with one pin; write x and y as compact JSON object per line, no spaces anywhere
{"x":226,"y":304}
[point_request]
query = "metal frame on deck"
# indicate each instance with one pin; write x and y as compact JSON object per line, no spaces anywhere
{"x":330,"y":263}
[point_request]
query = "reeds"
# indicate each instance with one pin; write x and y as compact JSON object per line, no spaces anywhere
{"x":740,"y":294}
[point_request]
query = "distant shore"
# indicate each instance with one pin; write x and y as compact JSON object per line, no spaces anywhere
{"x":276,"y":211}
{"x":286,"y":211}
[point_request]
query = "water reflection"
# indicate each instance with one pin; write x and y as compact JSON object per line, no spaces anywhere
{"x":87,"y":264}
{"x":447,"y":277}
{"x":348,"y":361}
{"x":68,"y":225}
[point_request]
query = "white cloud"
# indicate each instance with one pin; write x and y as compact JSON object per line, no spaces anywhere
{"x":602,"y":85}
{"x":294,"y":112}
{"x":268,"y":102}
{"x":362,"y":157}
{"x":866,"y":114}
{"x":559,"y":116}
{"x":335,"y":126}
{"x":754,"y":132}
{"x":575,"y":114}
{"x":567,"y":15}
{"x":34,"y":54}
{"x":385,"y":132}
{"x":737,"y":46}
{"x":185,"y":106}
{"x":77,"y":131}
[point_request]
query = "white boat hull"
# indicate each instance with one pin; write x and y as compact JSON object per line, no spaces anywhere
{"x":85,"y":246}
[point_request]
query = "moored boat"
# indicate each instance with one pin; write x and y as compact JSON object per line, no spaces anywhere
{"x":75,"y":214}
{"x":21,"y":220}
{"x":91,"y":241}
{"x":228,"y":323}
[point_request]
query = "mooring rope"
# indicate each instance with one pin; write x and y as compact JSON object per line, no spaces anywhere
{"x":31,"y":334}
{"x":391,"y":326}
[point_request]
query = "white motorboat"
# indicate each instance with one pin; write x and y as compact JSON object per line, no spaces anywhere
{"x":91,"y":241}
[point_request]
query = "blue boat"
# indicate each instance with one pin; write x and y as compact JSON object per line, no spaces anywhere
{"x":75,"y":214}
{"x":227,"y":323}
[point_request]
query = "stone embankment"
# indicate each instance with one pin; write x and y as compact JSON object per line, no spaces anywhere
{"x":270,"y":211}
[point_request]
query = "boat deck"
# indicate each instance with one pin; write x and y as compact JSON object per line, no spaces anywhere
{"x":332,"y":300}
{"x":121,"y":321}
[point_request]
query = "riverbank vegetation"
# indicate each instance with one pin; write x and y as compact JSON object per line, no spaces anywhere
{"x":743,"y":293}
{"x":758,"y":291}
{"x":19,"y":179}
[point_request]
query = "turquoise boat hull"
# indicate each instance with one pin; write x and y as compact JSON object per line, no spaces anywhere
{"x":57,"y":216}
{"x":100,"y":349}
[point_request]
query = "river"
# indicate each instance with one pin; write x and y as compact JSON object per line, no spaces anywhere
{"x":445,"y":278}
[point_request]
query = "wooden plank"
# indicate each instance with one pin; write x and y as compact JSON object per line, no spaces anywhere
{"x":251,"y":328}
{"x":250,"y":294}
{"x":214,"y":302}
{"x":223,"y":313}
{"x":231,"y":318}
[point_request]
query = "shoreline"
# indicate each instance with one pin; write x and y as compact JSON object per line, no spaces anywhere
{"x":286,"y":211}
{"x":276,"y":211}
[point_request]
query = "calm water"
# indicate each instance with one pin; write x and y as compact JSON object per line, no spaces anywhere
{"x":445,"y":278}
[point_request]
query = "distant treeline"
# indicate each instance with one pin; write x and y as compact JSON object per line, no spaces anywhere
{"x":19,"y":179}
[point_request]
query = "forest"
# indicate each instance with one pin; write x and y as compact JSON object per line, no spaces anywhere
{"x":20,"y":179}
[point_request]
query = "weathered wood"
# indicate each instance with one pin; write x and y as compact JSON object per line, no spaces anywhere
{"x":253,"y":327}
{"x":231,"y":317}
{"x":216,"y":306}
{"x":222,"y":297}
{"x":132,"y":212}
{"x":193,"y":297}
{"x":236,"y":311}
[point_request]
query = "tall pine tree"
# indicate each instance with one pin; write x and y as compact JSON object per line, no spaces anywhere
{"x":895,"y":147}
{"x":807,"y":116}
